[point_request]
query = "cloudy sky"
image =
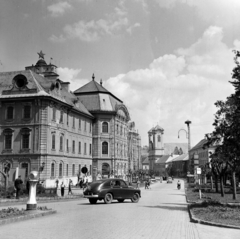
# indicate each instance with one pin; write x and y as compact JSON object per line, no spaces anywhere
{"x":168,"y":60}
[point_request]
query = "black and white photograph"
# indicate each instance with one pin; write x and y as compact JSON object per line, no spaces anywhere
{"x":120,"y":119}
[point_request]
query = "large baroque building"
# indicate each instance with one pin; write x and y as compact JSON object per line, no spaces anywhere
{"x":47,"y":128}
{"x":43,"y":125}
{"x":109,"y":129}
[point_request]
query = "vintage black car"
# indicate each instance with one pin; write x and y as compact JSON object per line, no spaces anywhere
{"x":111,"y":189}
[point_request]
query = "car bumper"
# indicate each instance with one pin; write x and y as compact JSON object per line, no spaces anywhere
{"x":90,"y":196}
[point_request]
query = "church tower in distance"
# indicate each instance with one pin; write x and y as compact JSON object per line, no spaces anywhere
{"x":156,"y":145}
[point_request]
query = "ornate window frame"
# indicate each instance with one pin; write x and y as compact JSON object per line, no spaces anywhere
{"x":25,"y":132}
{"x":8,"y":133}
{"x":28,"y":115}
{"x":105,"y":127}
{"x":7,"y":112}
{"x":105,"y":148}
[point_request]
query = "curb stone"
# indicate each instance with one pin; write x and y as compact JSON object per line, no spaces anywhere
{"x":196,"y":220}
{"x":39,"y":199}
{"x":26,"y":217}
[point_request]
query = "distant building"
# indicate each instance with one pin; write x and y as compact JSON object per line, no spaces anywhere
{"x":134,"y":148}
{"x":156,"y":145}
{"x":202,"y":153}
{"x":161,"y":155}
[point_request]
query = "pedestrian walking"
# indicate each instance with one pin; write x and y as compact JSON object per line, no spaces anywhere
{"x":28,"y":186}
{"x":85,"y":182}
{"x":62,"y":189}
{"x":70,"y":187}
{"x":57,"y":182}
{"x":146,"y":185}
{"x":18,"y":185}
{"x":149,"y":184}
{"x":138,"y":183}
{"x":81,"y":183}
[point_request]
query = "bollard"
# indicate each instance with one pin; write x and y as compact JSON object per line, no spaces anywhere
{"x":33,"y":180}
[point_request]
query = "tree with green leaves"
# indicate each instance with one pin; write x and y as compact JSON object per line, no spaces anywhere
{"x":227,"y":128}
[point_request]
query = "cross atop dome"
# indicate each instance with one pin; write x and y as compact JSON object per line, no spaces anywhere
{"x":41,"y":55}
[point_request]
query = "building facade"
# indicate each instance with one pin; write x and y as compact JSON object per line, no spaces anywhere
{"x":47,"y":128}
{"x":110,"y":129}
{"x":156,"y":145}
{"x":134,"y":148}
{"x":44,"y":127}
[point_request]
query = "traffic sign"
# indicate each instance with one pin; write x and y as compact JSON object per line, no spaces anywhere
{"x":84,"y":170}
{"x":199,"y":170}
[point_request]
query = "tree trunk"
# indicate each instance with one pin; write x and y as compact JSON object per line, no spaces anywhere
{"x":234,"y":185}
{"x":211,"y":179}
{"x":216,"y":183}
{"x":222,"y":186}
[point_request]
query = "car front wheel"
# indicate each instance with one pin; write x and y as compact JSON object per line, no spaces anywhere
{"x":92,"y":200}
{"x":135,"y":197}
{"x":108,"y":198}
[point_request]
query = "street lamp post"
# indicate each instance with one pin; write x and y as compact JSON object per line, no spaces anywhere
{"x":188,"y":136}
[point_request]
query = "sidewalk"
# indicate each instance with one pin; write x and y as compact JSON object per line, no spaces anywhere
{"x":77,"y":193}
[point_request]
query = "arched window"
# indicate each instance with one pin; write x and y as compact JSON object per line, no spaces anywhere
{"x":25,"y":138}
{"x":105,"y":127}
{"x":67,"y":146}
{"x":52,"y":169}
{"x":61,"y":143}
{"x":9,"y":115}
{"x":6,"y":167}
{"x":105,"y":169}
{"x":67,"y":170}
{"x":60,"y":170}
{"x":8,"y":133}
{"x":53,"y":141}
{"x":104,"y":148}
{"x":26,"y":166}
{"x":73,"y":146}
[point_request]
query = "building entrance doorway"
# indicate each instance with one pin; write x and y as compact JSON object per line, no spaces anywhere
{"x":105,"y":170}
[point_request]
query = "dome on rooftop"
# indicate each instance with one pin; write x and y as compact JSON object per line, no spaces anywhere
{"x":41,"y":62}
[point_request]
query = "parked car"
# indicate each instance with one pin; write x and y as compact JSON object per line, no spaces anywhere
{"x":109,"y":190}
{"x":169,"y":180}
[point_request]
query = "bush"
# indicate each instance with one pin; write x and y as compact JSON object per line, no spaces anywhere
{"x":9,"y":193}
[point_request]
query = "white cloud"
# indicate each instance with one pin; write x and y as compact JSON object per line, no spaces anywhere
{"x":178,"y":87}
{"x":129,"y":30}
{"x":71,"y":75}
{"x":114,"y":23}
{"x":59,"y":8}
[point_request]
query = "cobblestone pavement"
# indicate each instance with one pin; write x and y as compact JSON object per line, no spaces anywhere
{"x":160,"y":213}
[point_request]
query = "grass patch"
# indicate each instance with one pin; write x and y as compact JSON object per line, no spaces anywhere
{"x":210,"y":207}
{"x":218,"y":213}
{"x":11,"y":212}
{"x":192,"y":195}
